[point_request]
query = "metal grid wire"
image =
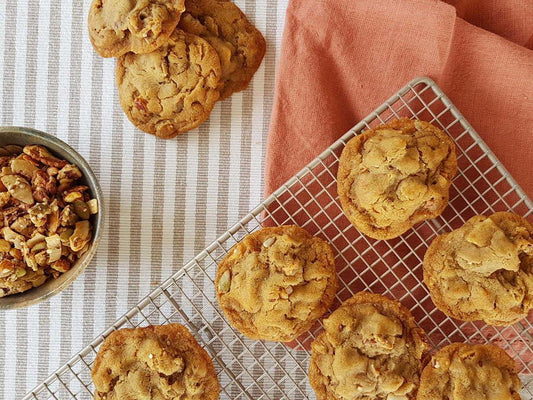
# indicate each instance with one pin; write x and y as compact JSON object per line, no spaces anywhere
{"x":256,"y":370}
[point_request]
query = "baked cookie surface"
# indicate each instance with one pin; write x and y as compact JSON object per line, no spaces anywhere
{"x":483,"y":270}
{"x":171,"y":90}
{"x":470,"y":372}
{"x":276,"y":282}
{"x":394,"y":176}
{"x":239,"y":44}
{"x":371,"y":349}
{"x":140,"y":26}
{"x":156,"y":362}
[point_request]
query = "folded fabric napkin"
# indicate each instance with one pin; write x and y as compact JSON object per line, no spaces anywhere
{"x":341,"y":59}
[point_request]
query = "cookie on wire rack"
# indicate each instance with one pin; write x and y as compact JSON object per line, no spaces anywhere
{"x":462,"y":371}
{"x":483,"y":270}
{"x":371,"y":348}
{"x":394,"y":176}
{"x":276,"y":282}
{"x":155,"y":362}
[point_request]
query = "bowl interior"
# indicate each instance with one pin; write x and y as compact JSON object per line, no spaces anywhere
{"x":24,"y":136}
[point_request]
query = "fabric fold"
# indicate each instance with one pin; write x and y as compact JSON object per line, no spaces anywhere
{"x":340,"y":60}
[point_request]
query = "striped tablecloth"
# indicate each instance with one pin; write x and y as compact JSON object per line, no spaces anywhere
{"x":165,"y":199}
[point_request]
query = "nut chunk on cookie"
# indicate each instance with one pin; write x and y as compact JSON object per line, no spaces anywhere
{"x":370,"y":349}
{"x":394,"y":176}
{"x":141,"y":26}
{"x":470,"y":372}
{"x":155,"y":362}
{"x":171,"y":90}
{"x":483,"y":270}
{"x":276,"y":283}
{"x":239,"y":44}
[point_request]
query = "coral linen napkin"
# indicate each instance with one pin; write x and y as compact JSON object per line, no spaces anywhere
{"x":340,"y":59}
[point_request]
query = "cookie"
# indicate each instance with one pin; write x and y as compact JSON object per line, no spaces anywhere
{"x":155,"y":362}
{"x":140,"y":26}
{"x":171,"y":90}
{"x":483,"y":270}
{"x":470,"y":372}
{"x":276,"y":282}
{"x":371,"y":348}
{"x":394,"y":176}
{"x":239,"y":44}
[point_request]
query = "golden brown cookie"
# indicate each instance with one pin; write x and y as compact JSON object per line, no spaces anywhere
{"x":371,"y":349}
{"x":156,"y":362}
{"x":171,"y":90}
{"x":276,"y":282}
{"x":239,"y":44}
{"x":394,"y":176}
{"x":483,"y":270}
{"x":470,"y":372}
{"x":141,"y":26}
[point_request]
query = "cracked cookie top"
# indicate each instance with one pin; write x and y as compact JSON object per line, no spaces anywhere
{"x":483,"y":270}
{"x":394,"y":176}
{"x":371,"y":349}
{"x":467,"y":372}
{"x":155,"y":362}
{"x":276,"y":282}
{"x":141,"y":26}
{"x":239,"y":44}
{"x":171,"y":90}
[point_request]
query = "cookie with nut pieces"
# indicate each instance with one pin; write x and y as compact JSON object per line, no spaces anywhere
{"x":239,"y":44}
{"x":171,"y":90}
{"x":483,"y":270}
{"x":371,"y":348}
{"x":463,"y":371}
{"x":139,"y":26}
{"x":394,"y":176}
{"x":163,"y":362}
{"x":275,"y":283}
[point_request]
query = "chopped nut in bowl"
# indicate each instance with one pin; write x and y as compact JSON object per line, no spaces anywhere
{"x":50,"y":216}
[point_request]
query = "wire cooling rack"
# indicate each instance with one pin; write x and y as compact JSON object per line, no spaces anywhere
{"x":256,"y":370}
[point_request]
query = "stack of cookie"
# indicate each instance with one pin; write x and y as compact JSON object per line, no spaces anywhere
{"x":175,"y":58}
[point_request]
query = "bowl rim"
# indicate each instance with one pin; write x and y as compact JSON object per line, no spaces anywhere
{"x":96,"y":192}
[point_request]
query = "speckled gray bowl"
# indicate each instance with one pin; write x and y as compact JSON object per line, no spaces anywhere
{"x":24,"y":136}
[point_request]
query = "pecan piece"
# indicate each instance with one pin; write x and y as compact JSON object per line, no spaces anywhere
{"x":23,"y":225}
{"x":53,"y":248}
{"x":5,"y":246}
{"x":81,"y":236}
{"x":39,"y":214}
{"x":42,"y":155}
{"x":11,"y":150}
{"x":69,"y":171}
{"x":13,"y":237}
{"x":35,"y":241}
{"x":23,"y":167}
{"x":11,"y":214}
{"x":4,"y":199}
{"x":53,"y":218}
{"x":61,"y":265}
{"x":44,"y":186}
{"x":68,"y":217}
{"x":19,"y":188}
{"x":4,"y":160}
{"x":141,"y":104}
{"x":71,"y":197}
{"x":7,"y":267}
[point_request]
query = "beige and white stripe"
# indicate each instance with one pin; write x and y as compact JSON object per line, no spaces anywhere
{"x":165,"y":199}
